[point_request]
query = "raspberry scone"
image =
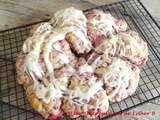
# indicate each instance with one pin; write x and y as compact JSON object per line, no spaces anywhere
{"x":73,"y":22}
{"x":45,"y":98}
{"x":86,"y":98}
{"x":101,"y":25}
{"x":44,"y":55}
{"x":127,"y":45}
{"x":132,"y":47}
{"x":120,"y":78}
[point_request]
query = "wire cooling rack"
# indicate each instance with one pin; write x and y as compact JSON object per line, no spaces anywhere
{"x":13,"y":103}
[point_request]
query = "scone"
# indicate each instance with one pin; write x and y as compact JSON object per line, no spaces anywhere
{"x":46,"y":99}
{"x":48,"y":47}
{"x":86,"y":98}
{"x":132,"y":47}
{"x":101,"y":25}
{"x":127,"y":45}
{"x":73,"y":22}
{"x":120,"y":79}
{"x":44,"y":55}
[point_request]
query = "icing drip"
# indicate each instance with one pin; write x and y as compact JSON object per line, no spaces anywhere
{"x":105,"y":25}
{"x":31,"y":61}
{"x":87,"y":93}
{"x":69,"y":16}
{"x":48,"y":48}
{"x":47,"y":93}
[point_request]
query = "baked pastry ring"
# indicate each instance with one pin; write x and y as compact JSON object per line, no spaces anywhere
{"x":74,"y":64}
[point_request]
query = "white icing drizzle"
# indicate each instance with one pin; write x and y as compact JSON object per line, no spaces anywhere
{"x":86,"y":68}
{"x":68,"y":16}
{"x":31,"y":60}
{"x":72,"y":20}
{"x":46,"y":93}
{"x":90,"y":68}
{"x":64,"y":59}
{"x":105,"y":24}
{"x":119,"y":71}
{"x":94,"y":88}
{"x":135,"y":46}
{"x":133,"y":43}
{"x":120,"y":74}
{"x":83,"y":37}
{"x":48,"y":48}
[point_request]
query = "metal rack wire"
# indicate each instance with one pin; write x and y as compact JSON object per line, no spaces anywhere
{"x":13,"y":103}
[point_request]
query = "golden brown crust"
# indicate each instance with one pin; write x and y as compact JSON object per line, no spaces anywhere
{"x":45,"y":109}
{"x":22,"y":77}
{"x":75,"y":44}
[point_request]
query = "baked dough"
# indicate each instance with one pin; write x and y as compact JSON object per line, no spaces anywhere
{"x":132,"y":47}
{"x":86,"y":98}
{"x":76,"y":63}
{"x":74,"y":23}
{"x":120,"y":78}
{"x":101,"y":25}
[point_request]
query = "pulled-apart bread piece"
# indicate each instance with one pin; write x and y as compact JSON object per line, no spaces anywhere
{"x":73,"y":22}
{"x":101,"y":25}
{"x":47,"y":49}
{"x":120,"y":78}
{"x":132,"y":47}
{"x":86,"y":98}
{"x":45,"y":98}
{"x":126,"y":45}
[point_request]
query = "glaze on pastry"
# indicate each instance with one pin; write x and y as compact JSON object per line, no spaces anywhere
{"x":77,"y":63}
{"x":101,"y":25}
